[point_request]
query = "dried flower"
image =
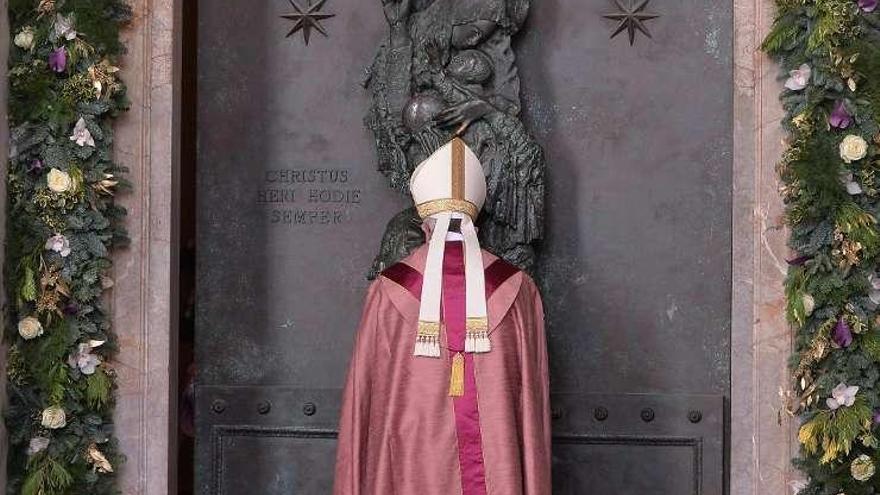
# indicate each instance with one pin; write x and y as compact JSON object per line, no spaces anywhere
{"x":106,"y":184}
{"x":853,"y":148}
{"x":59,"y":244}
{"x":25,"y":38}
{"x":30,"y":328}
{"x":97,"y":459}
{"x":81,"y":134}
{"x":840,"y":117}
{"x":103,"y":78}
{"x":54,"y":418}
{"x":46,"y":7}
{"x":58,"y":59}
{"x":799,"y":78}
{"x":842,"y":396}
{"x":862,"y":468}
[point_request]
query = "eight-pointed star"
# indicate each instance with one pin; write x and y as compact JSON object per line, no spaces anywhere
{"x":307,"y":19}
{"x":631,"y":18}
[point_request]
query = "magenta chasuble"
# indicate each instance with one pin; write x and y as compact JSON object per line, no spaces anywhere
{"x":402,"y":431}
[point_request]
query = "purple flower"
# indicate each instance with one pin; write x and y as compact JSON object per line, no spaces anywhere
{"x":799,"y":261}
{"x":868,"y":5}
{"x":36,"y":166}
{"x":58,"y":59}
{"x":71,"y":309}
{"x":876,"y":416}
{"x":839,"y":117}
{"x":842,"y":335}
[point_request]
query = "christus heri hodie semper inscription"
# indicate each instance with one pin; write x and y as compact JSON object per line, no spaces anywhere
{"x":308,"y":196}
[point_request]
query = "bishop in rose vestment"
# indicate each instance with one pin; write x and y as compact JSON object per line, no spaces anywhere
{"x":447,"y":390}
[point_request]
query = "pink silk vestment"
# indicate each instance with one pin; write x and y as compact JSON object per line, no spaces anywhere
{"x":401,"y":433}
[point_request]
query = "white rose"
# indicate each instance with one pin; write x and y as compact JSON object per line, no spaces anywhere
{"x":59,"y":181}
{"x":25,"y":38}
{"x":862,"y":469}
{"x":30,"y":328}
{"x":54,"y":418}
{"x":809,"y":304}
{"x":853,"y":148}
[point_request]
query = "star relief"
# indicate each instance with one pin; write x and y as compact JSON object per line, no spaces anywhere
{"x":306,"y":19}
{"x":631,"y":17}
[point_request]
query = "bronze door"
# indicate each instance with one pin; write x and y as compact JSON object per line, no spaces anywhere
{"x":635,"y":267}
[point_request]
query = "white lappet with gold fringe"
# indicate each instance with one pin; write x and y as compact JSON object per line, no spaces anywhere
{"x":451,"y":184}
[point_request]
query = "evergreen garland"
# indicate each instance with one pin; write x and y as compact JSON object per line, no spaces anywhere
{"x":64,"y":93}
{"x":830,"y":53}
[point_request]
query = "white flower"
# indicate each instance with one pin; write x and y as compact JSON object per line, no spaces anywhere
{"x":852,"y":187}
{"x":64,"y":27}
{"x":25,"y":38}
{"x":799,"y":78}
{"x":54,"y":418}
{"x":37,"y":445}
{"x":809,"y":304}
{"x":853,"y":148}
{"x":84,"y":359}
{"x":81,"y":134}
{"x":59,"y":181}
{"x":842,"y":395}
{"x":59,"y":244}
{"x":874,"y":294}
{"x":30,"y":328}
{"x":862,"y":468}
{"x":797,"y":486}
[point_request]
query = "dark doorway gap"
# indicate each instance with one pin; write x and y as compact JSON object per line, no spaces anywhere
{"x":188,"y":145}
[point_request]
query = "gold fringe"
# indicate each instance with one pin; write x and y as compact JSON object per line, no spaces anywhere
{"x":456,"y":376}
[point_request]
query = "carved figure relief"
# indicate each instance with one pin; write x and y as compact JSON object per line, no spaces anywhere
{"x":447,"y":68}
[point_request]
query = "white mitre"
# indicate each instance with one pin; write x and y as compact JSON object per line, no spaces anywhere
{"x":450,"y":184}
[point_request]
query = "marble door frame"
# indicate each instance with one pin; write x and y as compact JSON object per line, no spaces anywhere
{"x":144,"y":298}
{"x":762,"y":434}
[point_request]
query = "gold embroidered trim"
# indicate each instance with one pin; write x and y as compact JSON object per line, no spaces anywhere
{"x":429,"y":328}
{"x":457,"y":169}
{"x":480,"y":323}
{"x":429,"y":208}
{"x":456,"y":376}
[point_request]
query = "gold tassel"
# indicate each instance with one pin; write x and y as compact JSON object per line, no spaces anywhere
{"x":456,"y":376}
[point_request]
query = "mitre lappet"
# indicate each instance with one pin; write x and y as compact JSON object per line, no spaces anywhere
{"x":450,"y":184}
